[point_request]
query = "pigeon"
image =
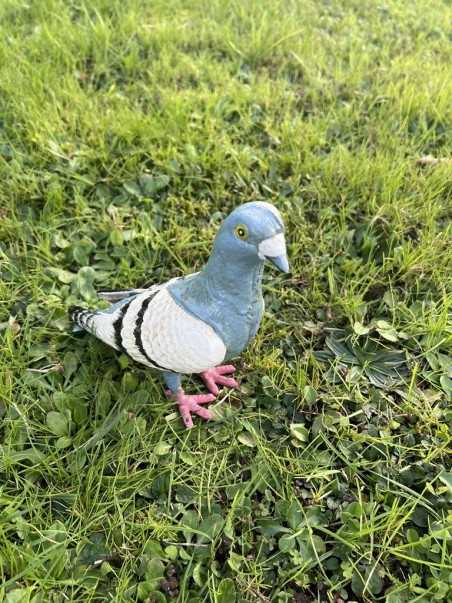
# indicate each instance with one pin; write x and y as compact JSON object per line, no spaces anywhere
{"x":200,"y":322}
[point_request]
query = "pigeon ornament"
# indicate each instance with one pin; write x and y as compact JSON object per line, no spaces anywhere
{"x":198,"y":323}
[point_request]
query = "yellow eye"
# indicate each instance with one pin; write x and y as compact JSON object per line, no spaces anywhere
{"x":241,"y":232}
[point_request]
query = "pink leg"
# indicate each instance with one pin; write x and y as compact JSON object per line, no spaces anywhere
{"x":215,"y":376}
{"x":188,"y":404}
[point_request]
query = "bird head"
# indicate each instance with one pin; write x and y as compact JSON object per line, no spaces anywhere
{"x":253,"y":232}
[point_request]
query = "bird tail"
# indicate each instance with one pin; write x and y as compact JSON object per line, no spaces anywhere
{"x":85,"y":320}
{"x":80,"y":318}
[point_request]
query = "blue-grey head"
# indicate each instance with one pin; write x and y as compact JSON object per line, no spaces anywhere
{"x":251,"y":234}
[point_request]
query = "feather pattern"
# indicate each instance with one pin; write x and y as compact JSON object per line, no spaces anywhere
{"x":178,"y":340}
{"x":131,"y":329}
{"x":155,"y":331}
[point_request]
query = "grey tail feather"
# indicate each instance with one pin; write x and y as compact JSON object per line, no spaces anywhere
{"x":80,"y":318}
{"x":113,"y":296}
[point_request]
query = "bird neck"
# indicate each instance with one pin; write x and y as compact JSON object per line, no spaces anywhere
{"x":227,"y":296}
{"x":239,"y":282}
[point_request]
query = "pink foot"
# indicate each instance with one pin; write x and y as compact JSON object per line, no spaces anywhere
{"x":215,"y":376}
{"x":188,"y":404}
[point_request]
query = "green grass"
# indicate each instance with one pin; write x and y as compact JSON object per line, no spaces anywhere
{"x":128,"y":129}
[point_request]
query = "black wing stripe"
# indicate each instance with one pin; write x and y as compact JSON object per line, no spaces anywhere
{"x":117,"y":326}
{"x":137,"y":332}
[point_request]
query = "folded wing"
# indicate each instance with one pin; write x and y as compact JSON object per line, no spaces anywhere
{"x":155,"y":331}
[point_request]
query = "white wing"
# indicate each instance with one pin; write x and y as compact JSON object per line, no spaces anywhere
{"x":173,"y":339}
{"x":155,"y":331}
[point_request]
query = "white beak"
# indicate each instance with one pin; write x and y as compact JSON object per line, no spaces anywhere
{"x":274,"y":249}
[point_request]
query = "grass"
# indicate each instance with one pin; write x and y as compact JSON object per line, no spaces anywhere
{"x":128,"y":129}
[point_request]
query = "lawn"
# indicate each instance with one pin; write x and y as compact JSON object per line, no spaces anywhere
{"x":128,"y":130}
